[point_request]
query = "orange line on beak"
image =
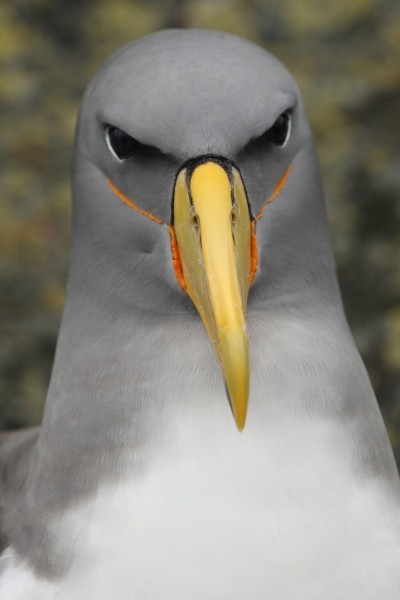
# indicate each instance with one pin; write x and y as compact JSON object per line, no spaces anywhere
{"x":253,"y":251}
{"x":176,"y":258}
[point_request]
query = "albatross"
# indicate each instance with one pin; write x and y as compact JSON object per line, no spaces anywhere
{"x":210,"y":430}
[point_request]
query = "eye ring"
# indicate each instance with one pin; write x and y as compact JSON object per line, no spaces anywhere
{"x":120,"y":144}
{"x":280,"y":131}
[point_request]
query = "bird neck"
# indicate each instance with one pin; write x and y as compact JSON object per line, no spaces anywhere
{"x":128,"y":391}
{"x":132,"y":350}
{"x":129,"y":379}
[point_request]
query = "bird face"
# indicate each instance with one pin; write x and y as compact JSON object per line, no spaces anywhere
{"x":181,"y":121}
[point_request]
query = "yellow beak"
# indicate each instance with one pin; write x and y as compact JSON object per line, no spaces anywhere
{"x":212,"y":227}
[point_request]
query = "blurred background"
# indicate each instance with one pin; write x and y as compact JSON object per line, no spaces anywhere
{"x":345,"y":56}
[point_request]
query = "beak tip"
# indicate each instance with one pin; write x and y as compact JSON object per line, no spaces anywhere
{"x":239,"y":412}
{"x":240,"y":425}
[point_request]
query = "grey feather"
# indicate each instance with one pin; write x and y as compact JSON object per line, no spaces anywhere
{"x":135,"y":384}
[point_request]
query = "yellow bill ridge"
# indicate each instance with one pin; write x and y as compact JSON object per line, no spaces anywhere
{"x":212,"y":226}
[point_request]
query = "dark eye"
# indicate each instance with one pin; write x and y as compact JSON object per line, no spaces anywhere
{"x":279,"y":132}
{"x":122,"y":144}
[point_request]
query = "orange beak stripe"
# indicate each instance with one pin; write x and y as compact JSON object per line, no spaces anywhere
{"x":176,"y":260}
{"x":253,"y":251}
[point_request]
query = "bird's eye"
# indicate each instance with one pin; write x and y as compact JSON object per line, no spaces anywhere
{"x":279,"y":132}
{"x":122,"y":144}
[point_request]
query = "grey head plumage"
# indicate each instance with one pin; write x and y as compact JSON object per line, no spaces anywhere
{"x":134,"y":371}
{"x":188,"y":108}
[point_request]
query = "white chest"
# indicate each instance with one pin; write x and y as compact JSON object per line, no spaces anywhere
{"x":231,"y":520}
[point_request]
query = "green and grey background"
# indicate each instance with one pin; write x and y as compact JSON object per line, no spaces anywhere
{"x":345,"y":56}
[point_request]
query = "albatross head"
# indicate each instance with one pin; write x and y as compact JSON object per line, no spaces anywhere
{"x":196,"y":131}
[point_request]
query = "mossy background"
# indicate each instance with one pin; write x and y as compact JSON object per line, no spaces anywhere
{"x":345,"y":56}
